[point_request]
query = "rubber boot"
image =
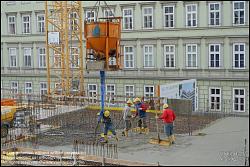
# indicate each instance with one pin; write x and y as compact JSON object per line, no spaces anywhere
{"x":172,"y":139}
{"x":169,"y":139}
{"x":126,"y":133}
{"x":105,"y":138}
{"x":116,"y":138}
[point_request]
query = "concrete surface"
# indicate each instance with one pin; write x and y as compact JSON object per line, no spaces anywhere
{"x":223,"y":145}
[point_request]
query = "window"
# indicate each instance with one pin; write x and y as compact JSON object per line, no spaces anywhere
{"x":239,"y":55}
{"x":147,"y":17}
{"x":239,"y":12}
{"x":112,"y":61}
{"x":40,"y":23}
{"x":90,"y":16}
{"x":13,"y":57}
{"x":129,"y":92}
{"x":73,"y":21}
{"x":214,"y":14}
{"x":168,"y":16}
{"x":57,"y":58}
{"x":74,"y":54}
{"x":191,"y":15}
{"x":110,"y":92}
{"x":43,"y":88}
{"x":127,"y":19}
{"x":148,"y":92}
{"x":239,"y":99}
{"x":191,"y":55}
{"x":128,"y":56}
{"x":169,"y":53}
{"x":90,"y":55}
{"x":42,"y":58}
{"x":92,"y":93}
{"x":12,"y":24}
{"x":28,"y":88}
{"x":215,"y":99}
{"x":107,"y":13}
{"x":214,"y":55}
{"x":14,"y":87}
{"x":27,"y":57}
{"x":58,"y":88}
{"x":148,"y":56}
{"x":26,"y":24}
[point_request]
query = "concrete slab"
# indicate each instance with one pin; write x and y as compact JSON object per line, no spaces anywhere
{"x":223,"y":144}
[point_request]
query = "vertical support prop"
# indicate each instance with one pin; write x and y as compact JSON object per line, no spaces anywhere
{"x":102,"y":77}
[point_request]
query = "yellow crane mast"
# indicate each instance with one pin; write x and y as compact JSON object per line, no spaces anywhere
{"x":64,"y":47}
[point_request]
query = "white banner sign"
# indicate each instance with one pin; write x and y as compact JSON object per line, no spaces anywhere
{"x":53,"y":38}
{"x":181,"y":90}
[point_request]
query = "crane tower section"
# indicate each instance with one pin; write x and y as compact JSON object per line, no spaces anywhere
{"x":64,"y":47}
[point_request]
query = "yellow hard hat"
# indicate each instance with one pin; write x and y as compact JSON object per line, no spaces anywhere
{"x":137,"y":100}
{"x":165,"y":105}
{"x":106,"y":113}
{"x":129,"y":102}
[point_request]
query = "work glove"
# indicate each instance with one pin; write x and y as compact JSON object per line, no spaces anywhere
{"x":156,"y":117}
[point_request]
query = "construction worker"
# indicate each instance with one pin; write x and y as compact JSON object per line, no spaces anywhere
{"x":141,"y":112}
{"x":168,"y":117}
{"x":108,"y":125}
{"x":127,"y":117}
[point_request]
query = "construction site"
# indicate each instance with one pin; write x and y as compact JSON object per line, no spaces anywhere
{"x":66,"y":124}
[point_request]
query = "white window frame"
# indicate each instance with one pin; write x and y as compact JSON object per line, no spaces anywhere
{"x":108,"y":13}
{"x":169,"y":53}
{"x":14,"y":89}
{"x":214,"y":11}
{"x":23,"y":23}
{"x":57,"y":57}
{"x":109,"y":98}
{"x":129,"y":94}
{"x":13,"y":55}
{"x":28,"y":90}
{"x":40,"y":23}
{"x":128,"y":56}
{"x":168,"y":14}
{"x":42,"y":58}
{"x":92,"y":93}
{"x":239,"y":11}
{"x":148,"y":93}
{"x":92,"y":18}
{"x":239,"y":52}
{"x":72,"y":57}
{"x":43,"y":89}
{"x":192,"y":52}
{"x":192,"y":12}
{"x":215,"y":96}
{"x":26,"y":64}
{"x":149,"y":54}
{"x":128,"y":16}
{"x":148,"y":16}
{"x":73,"y":21}
{"x":214,"y":53}
{"x":12,"y":23}
{"x":58,"y":88}
{"x":239,"y":96}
